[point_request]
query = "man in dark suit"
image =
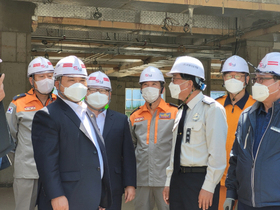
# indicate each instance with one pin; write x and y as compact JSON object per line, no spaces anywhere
{"x":115,"y":129}
{"x":68,"y":148}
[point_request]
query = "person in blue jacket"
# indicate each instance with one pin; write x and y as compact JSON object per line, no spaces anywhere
{"x":253,"y":176}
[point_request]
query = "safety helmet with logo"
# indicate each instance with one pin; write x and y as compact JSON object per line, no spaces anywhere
{"x":187,"y":65}
{"x":99,"y":79}
{"x":236,"y":64}
{"x":191,"y":66}
{"x":39,"y":65}
{"x":270,"y":64}
{"x":70,"y":66}
{"x":151,"y":74}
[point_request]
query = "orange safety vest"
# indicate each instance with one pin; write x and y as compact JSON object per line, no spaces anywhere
{"x":233,"y":112}
{"x":165,"y":111}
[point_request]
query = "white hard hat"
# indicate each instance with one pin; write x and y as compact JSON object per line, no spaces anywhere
{"x":39,"y":65}
{"x":151,"y":74}
{"x":236,"y":64}
{"x":187,"y":65}
{"x":270,"y":63}
{"x":71,"y":66}
{"x":99,"y":79}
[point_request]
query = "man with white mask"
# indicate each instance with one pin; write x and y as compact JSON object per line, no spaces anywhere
{"x":19,"y":115}
{"x":198,"y":157}
{"x":118,"y":143}
{"x":236,"y":77}
{"x":151,"y":128}
{"x":253,"y":174}
{"x":68,"y":148}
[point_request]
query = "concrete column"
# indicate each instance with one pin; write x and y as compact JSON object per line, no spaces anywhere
{"x":15,"y":45}
{"x":15,"y":51}
{"x":207,"y":69}
{"x":254,"y":51}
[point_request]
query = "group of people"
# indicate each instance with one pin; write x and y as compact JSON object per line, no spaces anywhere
{"x":73,"y":152}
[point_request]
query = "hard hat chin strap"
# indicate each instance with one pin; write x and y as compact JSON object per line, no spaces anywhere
{"x":188,"y":97}
{"x":233,"y":98}
{"x":161,"y":91}
{"x":150,"y":104}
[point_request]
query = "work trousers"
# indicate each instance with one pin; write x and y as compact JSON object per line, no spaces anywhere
{"x":147,"y":197}
{"x":116,"y":202}
{"x":25,"y":191}
{"x":184,"y":191}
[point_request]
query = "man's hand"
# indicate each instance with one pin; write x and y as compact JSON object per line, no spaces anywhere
{"x":205,"y":199}
{"x":60,"y":203}
{"x":129,"y":193}
{"x":228,"y":204}
{"x":165,"y":194}
{"x":2,"y":93}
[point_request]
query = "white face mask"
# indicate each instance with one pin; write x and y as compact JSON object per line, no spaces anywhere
{"x":75,"y":92}
{"x":97,"y":100}
{"x":234,"y":86}
{"x":150,"y":94}
{"x":261,"y":92}
{"x":175,"y":89}
{"x":45,"y":86}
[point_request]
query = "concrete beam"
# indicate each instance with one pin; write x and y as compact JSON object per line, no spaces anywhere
{"x":124,"y":25}
{"x":143,"y":62}
{"x":250,"y":34}
{"x":231,"y":4}
{"x":108,"y":56}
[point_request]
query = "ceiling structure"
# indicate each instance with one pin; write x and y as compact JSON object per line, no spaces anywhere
{"x":122,"y":37}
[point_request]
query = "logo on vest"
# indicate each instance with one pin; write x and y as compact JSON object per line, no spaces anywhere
{"x":138,"y":119}
{"x":29,"y":108}
{"x":164,"y":115}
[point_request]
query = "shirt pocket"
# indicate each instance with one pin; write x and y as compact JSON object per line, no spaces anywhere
{"x":196,"y":134}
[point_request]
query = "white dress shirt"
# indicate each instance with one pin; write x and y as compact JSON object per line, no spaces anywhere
{"x":80,"y":111}
{"x":206,"y":119}
{"x":100,"y":120}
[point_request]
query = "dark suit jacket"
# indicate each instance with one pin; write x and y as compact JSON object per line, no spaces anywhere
{"x":120,"y":151}
{"x":67,"y":160}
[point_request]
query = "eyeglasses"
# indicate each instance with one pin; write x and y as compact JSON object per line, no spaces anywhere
{"x":236,"y":76}
{"x":260,"y":79}
{"x":174,"y":79}
{"x":101,"y":90}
